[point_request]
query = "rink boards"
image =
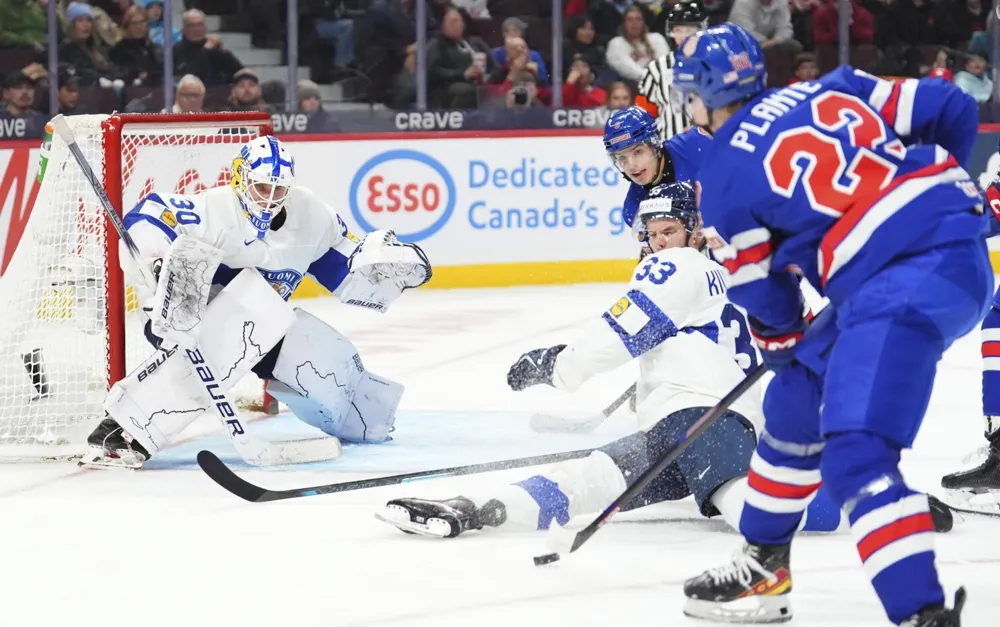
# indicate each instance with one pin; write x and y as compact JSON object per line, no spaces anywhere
{"x":490,"y":208}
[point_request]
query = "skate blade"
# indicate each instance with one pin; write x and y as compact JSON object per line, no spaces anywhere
{"x":399,"y":518}
{"x":752,"y":610}
{"x":984,"y":504}
{"x":100,"y":459}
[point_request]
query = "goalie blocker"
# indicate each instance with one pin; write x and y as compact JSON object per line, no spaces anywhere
{"x":316,"y":371}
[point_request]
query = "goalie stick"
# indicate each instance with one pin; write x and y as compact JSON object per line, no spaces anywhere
{"x":253,"y":451}
{"x":564,"y":541}
{"x":550,"y":423}
{"x":217,"y":470}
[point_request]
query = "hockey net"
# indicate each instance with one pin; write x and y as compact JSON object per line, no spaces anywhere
{"x":69,"y":325}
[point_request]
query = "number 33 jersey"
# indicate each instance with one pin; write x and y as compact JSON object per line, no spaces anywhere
{"x":833,"y":179}
{"x":307,"y":237}
{"x":692,"y":344}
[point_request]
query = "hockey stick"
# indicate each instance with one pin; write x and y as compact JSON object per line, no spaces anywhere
{"x":253,"y":451}
{"x":217,"y":470}
{"x":569,"y":543}
{"x":653,"y":471}
{"x":550,"y":423}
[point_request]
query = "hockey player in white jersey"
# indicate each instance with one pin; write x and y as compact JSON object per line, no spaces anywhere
{"x":693,"y":347}
{"x":225,"y":261}
{"x":656,"y":90}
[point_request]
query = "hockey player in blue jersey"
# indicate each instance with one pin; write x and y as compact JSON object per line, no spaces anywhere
{"x":977,"y":489}
{"x":634,"y":146}
{"x":692,"y":346}
{"x":823,"y":179}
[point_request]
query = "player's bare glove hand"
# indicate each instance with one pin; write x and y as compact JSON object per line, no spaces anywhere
{"x":533,"y":368}
{"x":777,"y":346}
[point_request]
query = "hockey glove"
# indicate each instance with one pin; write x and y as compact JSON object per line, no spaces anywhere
{"x":992,"y":195}
{"x":533,"y":368}
{"x":777,"y":346}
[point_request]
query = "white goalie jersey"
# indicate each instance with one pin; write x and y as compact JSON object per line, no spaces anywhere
{"x":307,"y":238}
{"x":692,"y":344}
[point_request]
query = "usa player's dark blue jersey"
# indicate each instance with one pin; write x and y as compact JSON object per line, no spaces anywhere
{"x":833,"y":179}
{"x":685,"y":152}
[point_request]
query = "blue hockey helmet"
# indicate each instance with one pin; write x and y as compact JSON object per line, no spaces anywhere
{"x":675,"y":201}
{"x":722,"y":65}
{"x":628,"y":127}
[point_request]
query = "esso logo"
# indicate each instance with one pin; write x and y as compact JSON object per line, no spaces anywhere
{"x":407,"y":191}
{"x":391,"y":197}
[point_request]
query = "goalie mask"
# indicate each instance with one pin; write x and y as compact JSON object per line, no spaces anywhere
{"x":675,"y":201}
{"x":262,"y":177}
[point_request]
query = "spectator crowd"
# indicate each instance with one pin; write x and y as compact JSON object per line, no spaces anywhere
{"x":479,"y":53}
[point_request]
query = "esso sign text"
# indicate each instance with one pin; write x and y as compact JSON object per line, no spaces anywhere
{"x":407,"y":191}
{"x":392,"y":197}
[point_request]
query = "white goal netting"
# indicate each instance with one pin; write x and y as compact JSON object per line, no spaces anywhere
{"x":69,"y":327}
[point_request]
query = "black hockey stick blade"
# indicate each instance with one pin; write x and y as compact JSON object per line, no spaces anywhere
{"x":225,"y":477}
{"x":221,"y":474}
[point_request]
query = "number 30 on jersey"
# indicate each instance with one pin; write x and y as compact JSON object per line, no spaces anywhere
{"x":181,"y":212}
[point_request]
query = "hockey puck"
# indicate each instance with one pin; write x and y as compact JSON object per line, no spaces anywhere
{"x":542,"y":560}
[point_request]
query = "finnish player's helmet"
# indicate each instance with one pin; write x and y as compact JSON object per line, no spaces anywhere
{"x":262,"y":176}
{"x":687,"y":14}
{"x":675,"y":201}
{"x":722,"y":65}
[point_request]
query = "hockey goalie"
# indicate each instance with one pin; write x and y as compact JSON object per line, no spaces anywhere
{"x":223,"y":263}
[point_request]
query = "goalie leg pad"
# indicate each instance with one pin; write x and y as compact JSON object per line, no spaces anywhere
{"x":373,"y":411}
{"x":321,"y":378}
{"x":160,"y":398}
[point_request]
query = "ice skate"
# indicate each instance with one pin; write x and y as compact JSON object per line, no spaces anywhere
{"x":939,"y":616}
{"x":112,"y":447}
{"x":977,"y":489}
{"x":441,"y":519}
{"x":752,"y":588}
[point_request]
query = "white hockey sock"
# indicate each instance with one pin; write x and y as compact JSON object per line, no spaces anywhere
{"x":729,"y":499}
{"x":560,"y":492}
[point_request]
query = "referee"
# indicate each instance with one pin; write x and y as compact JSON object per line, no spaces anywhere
{"x":685,"y":18}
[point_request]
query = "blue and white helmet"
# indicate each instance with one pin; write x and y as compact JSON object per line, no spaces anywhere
{"x":674,"y":201}
{"x":722,"y":65}
{"x":629,"y":127}
{"x":262,"y":176}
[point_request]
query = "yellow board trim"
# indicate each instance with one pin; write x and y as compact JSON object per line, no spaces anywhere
{"x":529,"y":273}
{"x":508,"y":274}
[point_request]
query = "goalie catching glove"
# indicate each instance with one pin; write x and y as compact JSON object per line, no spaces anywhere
{"x":381,"y":268}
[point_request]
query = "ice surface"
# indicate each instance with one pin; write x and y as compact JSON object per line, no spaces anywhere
{"x":165,"y":546}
